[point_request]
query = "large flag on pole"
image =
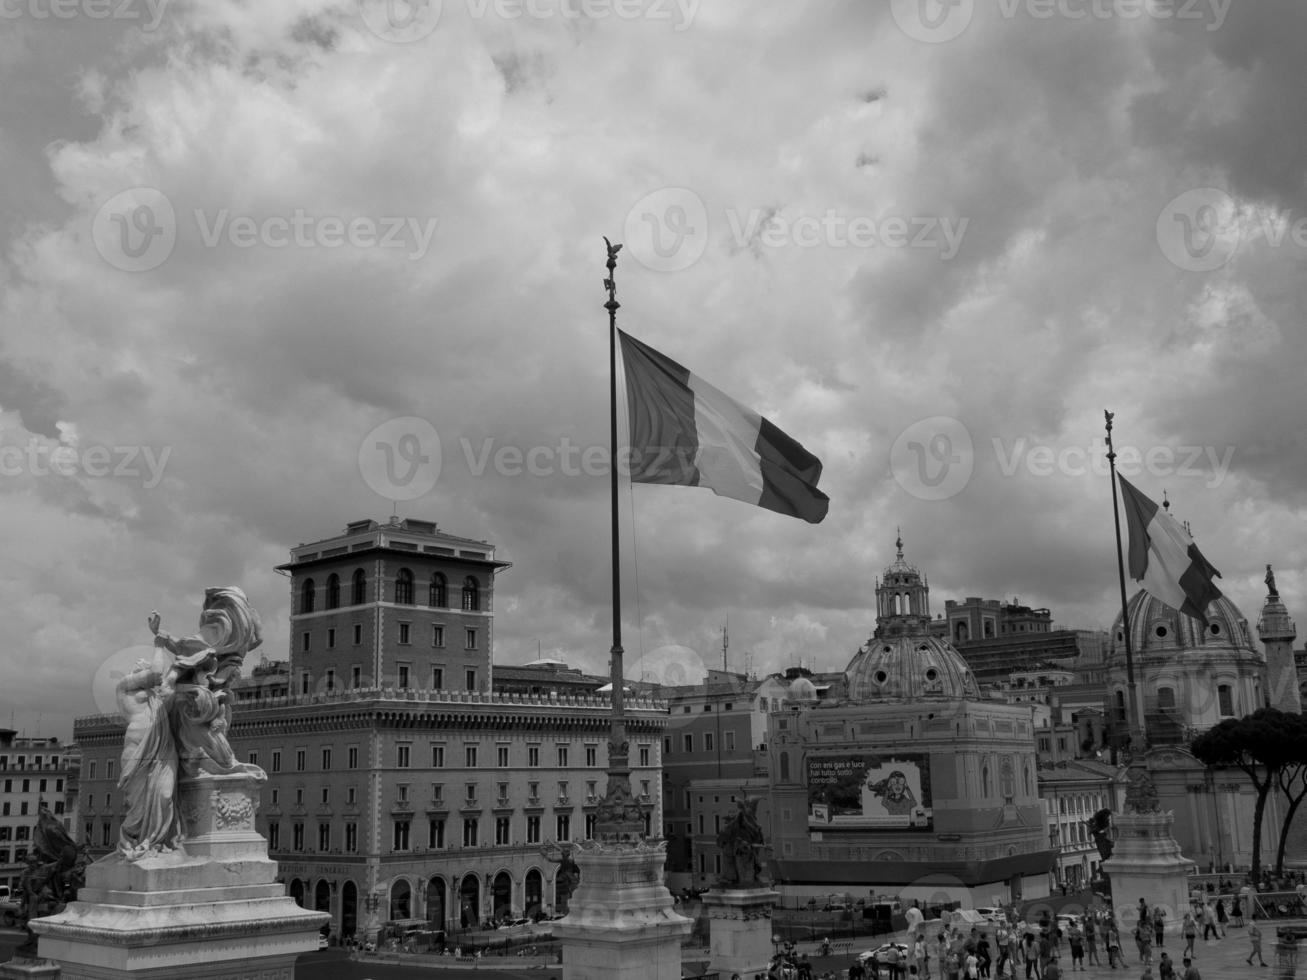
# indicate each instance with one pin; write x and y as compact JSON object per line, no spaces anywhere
{"x":684,"y":432}
{"x":1164,"y":559}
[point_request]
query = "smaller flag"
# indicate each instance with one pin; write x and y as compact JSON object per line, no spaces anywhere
{"x":1164,"y":559}
{"x":684,"y":432}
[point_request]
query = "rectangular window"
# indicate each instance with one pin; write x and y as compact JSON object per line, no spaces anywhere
{"x":470,"y":832}
{"x":533,"y":792}
{"x":471,"y":639}
{"x":91,"y":774}
{"x":533,"y":830}
{"x":437,"y":757}
{"x":437,"y":635}
{"x":437,"y":678}
{"x":730,"y":741}
{"x":644,"y":755}
{"x":299,"y":796}
{"x":501,"y":756}
{"x":326,"y":794}
{"x":304,"y":682}
{"x":564,"y":825}
{"x":471,"y":679}
{"x":297,"y":837}
{"x":533,"y":756}
{"x":326,"y":759}
{"x":252,"y":758}
{"x":590,"y":822}
{"x":352,"y":757}
{"x":402,"y":789}
{"x":402,"y":679}
{"x":352,"y":795}
{"x":562,"y":756}
{"x":689,"y":742}
{"x":591,"y":790}
{"x":324,"y":837}
{"x":331,"y":638}
{"x":331,"y":679}
{"x":501,"y":830}
{"x":667,"y":745}
{"x":358,"y":633}
{"x":276,"y":795}
{"x":352,"y":838}
{"x":399,"y":835}
{"x":401,"y":756}
{"x":304,"y":642}
{"x":300,"y":757}
{"x":435,"y":833}
{"x":592,"y":755}
{"x":356,"y":677}
{"x":404,"y":631}
{"x":274,"y":836}
{"x":471,"y":794}
{"x":437,"y":791}
{"x":707,"y":741}
{"x":1225,"y":695}
{"x":503,"y":793}
{"x":470,"y":756}
{"x":562,"y":791}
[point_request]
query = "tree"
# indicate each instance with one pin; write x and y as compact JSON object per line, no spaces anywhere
{"x":1292,"y":780}
{"x":1261,"y":744}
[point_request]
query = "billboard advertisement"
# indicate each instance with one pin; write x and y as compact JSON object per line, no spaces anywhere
{"x":869,"y":792}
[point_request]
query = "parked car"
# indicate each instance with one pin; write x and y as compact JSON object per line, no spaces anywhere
{"x":997,"y":916}
{"x":881,"y":951}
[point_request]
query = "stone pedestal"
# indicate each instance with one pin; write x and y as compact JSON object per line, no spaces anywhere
{"x":23,"y":968}
{"x":620,"y":924}
{"x":740,"y":929}
{"x":212,"y":908}
{"x":1146,"y":863}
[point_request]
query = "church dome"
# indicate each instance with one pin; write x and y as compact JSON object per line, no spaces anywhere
{"x":907,"y":668}
{"x":802,"y":689}
{"x":1156,"y":628}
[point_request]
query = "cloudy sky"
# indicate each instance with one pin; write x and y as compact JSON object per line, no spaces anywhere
{"x":268,"y":268}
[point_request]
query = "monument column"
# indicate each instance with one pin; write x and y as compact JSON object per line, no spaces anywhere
{"x":1277,"y":631}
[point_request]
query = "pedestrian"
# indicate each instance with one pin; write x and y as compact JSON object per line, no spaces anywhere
{"x":1144,"y":942}
{"x":1030,"y":956}
{"x":1209,"y":923}
{"x":1053,"y":971}
{"x":922,"y":953}
{"x":1222,"y":920}
{"x":1190,"y":971}
{"x":1255,"y":941}
{"x":1091,"y":943}
{"x":1159,"y":926}
{"x":1076,"y":939}
{"x":1113,"y":945}
{"x":972,"y":966}
{"x":1189,"y":929}
{"x":856,"y":972}
{"x":1236,"y":911}
{"x":1165,"y":968}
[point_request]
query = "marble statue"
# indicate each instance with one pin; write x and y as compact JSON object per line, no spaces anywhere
{"x":177,"y":714}
{"x":568,"y":875}
{"x":1140,"y":793}
{"x":1100,"y":829}
{"x":740,"y":840}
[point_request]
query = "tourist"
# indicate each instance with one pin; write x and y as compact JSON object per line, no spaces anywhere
{"x":856,"y":972}
{"x":921,"y":957}
{"x":1189,"y":929}
{"x":1144,"y":940}
{"x":1159,"y":927}
{"x":1091,"y":942}
{"x":971,"y":966}
{"x":1165,"y":968}
{"x":1190,"y":971}
{"x":1236,"y":911}
{"x":1221,"y":919}
{"x":1113,"y":944}
{"x":983,"y":956}
{"x":1209,"y":923}
{"x":1255,"y":941}
{"x":1076,"y":939}
{"x":1052,"y":971}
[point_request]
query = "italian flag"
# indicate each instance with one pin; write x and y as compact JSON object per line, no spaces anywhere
{"x":1164,"y":559}
{"x":684,"y":432}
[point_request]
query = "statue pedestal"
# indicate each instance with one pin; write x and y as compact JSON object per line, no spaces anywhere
{"x":22,"y":968}
{"x":740,"y":929}
{"x":212,"y":908}
{"x":620,"y":924}
{"x":1146,"y":863}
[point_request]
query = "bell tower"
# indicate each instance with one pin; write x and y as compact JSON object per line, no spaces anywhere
{"x":902,"y":599}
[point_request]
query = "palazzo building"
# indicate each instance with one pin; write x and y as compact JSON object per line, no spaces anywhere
{"x":908,"y":781}
{"x":33,"y":771}
{"x":400,"y":787}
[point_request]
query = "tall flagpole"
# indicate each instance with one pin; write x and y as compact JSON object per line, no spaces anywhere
{"x":1132,"y":721}
{"x":618,"y":816}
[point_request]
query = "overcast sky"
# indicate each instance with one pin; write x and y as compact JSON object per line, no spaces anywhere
{"x":257,"y":259}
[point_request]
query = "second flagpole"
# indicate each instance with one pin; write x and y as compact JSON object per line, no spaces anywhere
{"x":1133,"y":735}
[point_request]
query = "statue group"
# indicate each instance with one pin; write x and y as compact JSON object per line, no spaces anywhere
{"x":178,"y":712}
{"x":741,"y":842}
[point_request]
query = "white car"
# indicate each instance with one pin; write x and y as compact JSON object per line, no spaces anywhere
{"x":880,"y":951}
{"x":993,"y":915}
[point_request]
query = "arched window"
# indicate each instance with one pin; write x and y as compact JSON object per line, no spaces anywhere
{"x":439,"y":597}
{"x":306,"y":595}
{"x":404,"y":588}
{"x":401,"y":894}
{"x":333,"y":591}
{"x":359,"y":588}
{"x":471,"y":594}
